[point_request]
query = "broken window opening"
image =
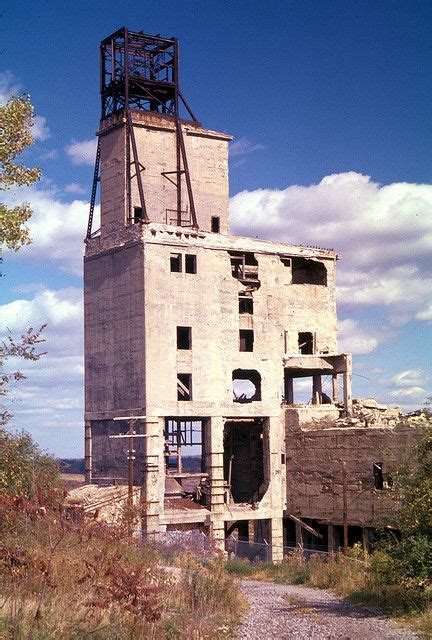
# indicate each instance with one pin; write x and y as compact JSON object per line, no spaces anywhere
{"x":306,"y":343}
{"x":176,"y":262}
{"x":285,"y":261}
{"x":138,"y":215}
{"x":244,"y":266}
{"x":246,"y":337}
{"x":184,"y":338}
{"x":190,"y":263}
{"x":245,"y":304}
{"x":184,"y":386}
{"x":307,"y":271}
{"x":215,"y":224}
{"x":246,"y":385}
{"x":184,"y":453}
{"x":378,"y":475}
{"x":244,"y":459}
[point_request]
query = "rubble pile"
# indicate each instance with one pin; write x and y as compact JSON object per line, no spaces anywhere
{"x":368,"y":413}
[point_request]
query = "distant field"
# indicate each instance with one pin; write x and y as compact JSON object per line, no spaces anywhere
{"x":72,"y":480}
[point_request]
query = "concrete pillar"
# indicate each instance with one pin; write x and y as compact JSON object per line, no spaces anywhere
{"x":366,"y":539}
{"x":289,"y":390}
{"x":347,"y":384}
{"x":217,"y":481}
{"x":316,"y":389}
{"x":335,"y":388}
{"x":87,"y":452}
{"x":298,"y":535}
{"x":276,"y":539}
{"x":153,"y":486}
{"x":331,"y":540}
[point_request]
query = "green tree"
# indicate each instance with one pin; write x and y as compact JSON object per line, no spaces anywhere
{"x":16,"y":120}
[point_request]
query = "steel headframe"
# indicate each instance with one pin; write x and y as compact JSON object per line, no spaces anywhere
{"x":141,"y":72}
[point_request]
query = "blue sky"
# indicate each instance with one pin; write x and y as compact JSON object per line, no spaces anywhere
{"x":329,"y":103}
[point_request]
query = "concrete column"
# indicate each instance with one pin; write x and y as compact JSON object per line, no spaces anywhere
{"x":276,"y":539}
{"x":347,"y":384}
{"x":217,"y":482}
{"x":289,"y":390}
{"x":87,"y":452}
{"x":335,"y":388}
{"x":316,"y":389}
{"x":153,"y":486}
{"x":298,"y":535}
{"x":331,"y":540}
{"x":366,"y":539}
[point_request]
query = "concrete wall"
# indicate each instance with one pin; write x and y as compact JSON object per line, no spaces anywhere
{"x":314,"y":470}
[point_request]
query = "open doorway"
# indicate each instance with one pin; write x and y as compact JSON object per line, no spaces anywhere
{"x":184,"y":456}
{"x":244,"y":459}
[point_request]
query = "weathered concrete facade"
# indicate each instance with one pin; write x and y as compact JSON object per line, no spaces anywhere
{"x":202,"y":335}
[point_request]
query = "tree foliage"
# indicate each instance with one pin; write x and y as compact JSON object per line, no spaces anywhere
{"x":16,"y":120}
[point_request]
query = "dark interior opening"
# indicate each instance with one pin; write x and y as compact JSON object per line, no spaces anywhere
{"x":176,"y":262}
{"x":307,"y":271}
{"x":215,"y":224}
{"x":306,"y":342}
{"x":245,"y":304}
{"x":138,"y":214}
{"x":244,"y":266}
{"x":190,"y":263}
{"x":244,"y":459}
{"x":246,"y":339}
{"x":184,"y":386}
{"x":246,"y":385}
{"x":378,"y":475}
{"x":184,"y":338}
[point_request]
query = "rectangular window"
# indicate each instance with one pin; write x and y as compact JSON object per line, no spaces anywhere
{"x":378,"y":476}
{"x":176,"y":262}
{"x":190,"y":263}
{"x":306,"y":343}
{"x":184,"y":338}
{"x":245,"y":304}
{"x":184,"y":386}
{"x":246,"y":339}
{"x":138,"y":214}
{"x":215,"y":224}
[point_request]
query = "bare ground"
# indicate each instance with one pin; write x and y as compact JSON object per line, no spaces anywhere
{"x":286,"y":611}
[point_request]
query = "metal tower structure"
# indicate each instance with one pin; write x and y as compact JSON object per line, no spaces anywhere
{"x":141,"y":72}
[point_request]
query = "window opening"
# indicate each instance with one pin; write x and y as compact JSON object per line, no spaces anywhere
{"x":245,"y":304}
{"x":306,"y":343}
{"x":184,"y":457}
{"x":138,"y":214}
{"x":246,"y":339}
{"x":215,"y":224}
{"x":244,"y":459}
{"x":307,"y":271}
{"x":244,"y":266}
{"x":184,"y":338}
{"x":190,"y":263}
{"x":184,"y":386}
{"x":285,"y":261}
{"x":378,"y":476}
{"x":176,"y":262}
{"x":246,"y":385}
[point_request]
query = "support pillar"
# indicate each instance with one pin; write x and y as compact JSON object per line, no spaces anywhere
{"x":153,"y":484}
{"x":316,"y":389}
{"x":217,"y":482}
{"x":289,"y":390}
{"x":276,"y":539}
{"x":366,"y":539}
{"x":331,"y":540}
{"x":335,"y":388}
{"x":298,"y":535}
{"x":347,"y":384}
{"x":87,"y":452}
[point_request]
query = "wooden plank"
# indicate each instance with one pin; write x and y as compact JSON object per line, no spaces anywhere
{"x":314,"y":532}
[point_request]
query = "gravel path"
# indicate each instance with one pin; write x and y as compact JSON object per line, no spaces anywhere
{"x":286,"y":611}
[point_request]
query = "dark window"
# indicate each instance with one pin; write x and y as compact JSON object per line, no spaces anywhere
{"x":215,"y":224}
{"x":245,"y":304}
{"x":246,"y":339}
{"x":282,"y":458}
{"x":307,"y":271}
{"x":176,"y":262}
{"x":184,"y":338}
{"x":184,"y":386}
{"x":246,"y":385}
{"x":190,"y":263}
{"x":285,"y":261}
{"x":306,"y":343}
{"x":378,"y":475}
{"x":138,"y":214}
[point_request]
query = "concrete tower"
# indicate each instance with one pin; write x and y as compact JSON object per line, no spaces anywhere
{"x":200,"y":333}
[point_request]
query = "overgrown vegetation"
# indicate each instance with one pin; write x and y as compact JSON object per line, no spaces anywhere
{"x":65,"y":576}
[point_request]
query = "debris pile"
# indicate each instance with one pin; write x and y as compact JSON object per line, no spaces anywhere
{"x":368,"y":413}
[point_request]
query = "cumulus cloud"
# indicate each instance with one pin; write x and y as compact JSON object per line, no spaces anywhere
{"x":83,"y":152}
{"x":74,"y":187}
{"x":410,"y":378}
{"x":40,"y":130}
{"x":384,"y":234}
{"x":8,"y":86}
{"x":243,"y":146}
{"x":356,"y":338}
{"x":57,"y":228}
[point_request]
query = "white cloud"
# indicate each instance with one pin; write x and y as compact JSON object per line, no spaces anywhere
{"x":356,"y":338}
{"x":243,"y":146}
{"x":83,"y":152}
{"x":408,"y":393}
{"x":410,"y":378}
{"x":74,"y":187}
{"x":384,"y":234}
{"x":50,"y":154}
{"x":40,"y":131}
{"x":57,"y":228}
{"x":426,"y":314}
{"x":8,"y":86}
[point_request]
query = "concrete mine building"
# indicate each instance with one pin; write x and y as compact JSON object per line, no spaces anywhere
{"x":200,"y":335}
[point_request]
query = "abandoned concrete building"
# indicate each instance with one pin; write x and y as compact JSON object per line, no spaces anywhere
{"x":198,"y":342}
